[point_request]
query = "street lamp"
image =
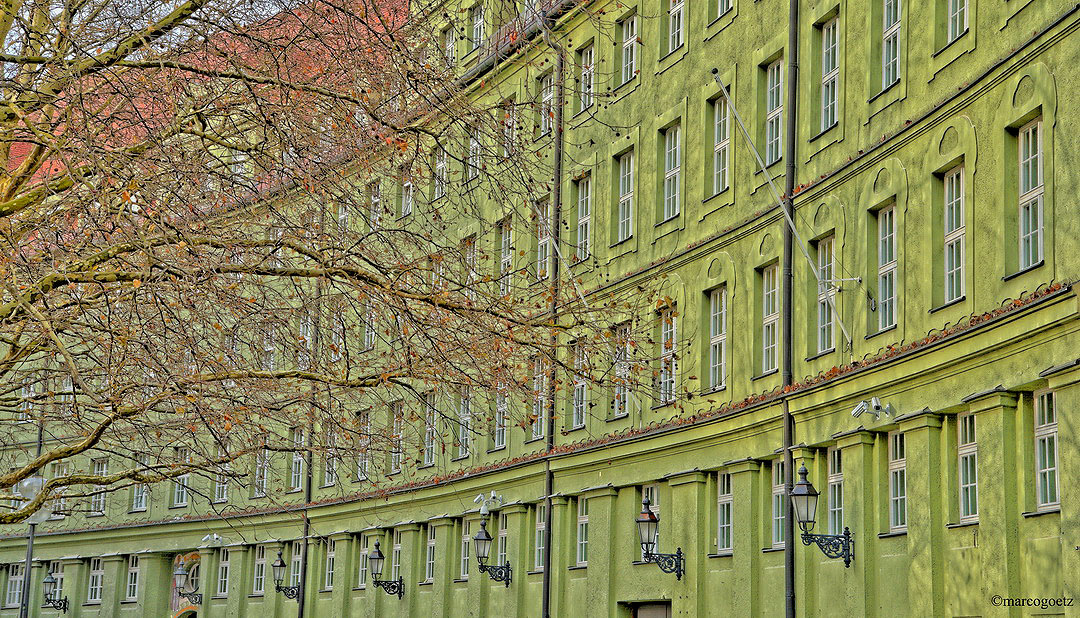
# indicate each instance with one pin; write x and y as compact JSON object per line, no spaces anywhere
{"x":483,"y":549}
{"x":648,"y":525}
{"x":290,"y":592}
{"x":51,"y":600}
{"x":375,"y":562}
{"x":804,"y":498}
{"x":180,"y":580}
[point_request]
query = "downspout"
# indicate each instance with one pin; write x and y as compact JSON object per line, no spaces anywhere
{"x":787,"y":370}
{"x":555,"y":237}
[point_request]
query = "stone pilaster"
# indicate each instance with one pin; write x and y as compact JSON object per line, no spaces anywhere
{"x":925,"y":513}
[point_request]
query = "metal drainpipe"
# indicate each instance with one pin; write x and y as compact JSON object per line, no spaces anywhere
{"x":555,"y":234}
{"x":788,"y":343}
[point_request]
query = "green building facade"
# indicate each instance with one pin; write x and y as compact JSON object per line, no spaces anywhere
{"x":932,"y":200}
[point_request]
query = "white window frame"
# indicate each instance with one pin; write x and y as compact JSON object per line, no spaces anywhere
{"x":886,"y":267}
{"x":363,"y":457}
{"x":835,"y":492}
{"x":464,"y":422}
{"x":954,"y":229}
{"x":16,"y":575}
{"x":296,"y":557}
{"x":722,"y":6}
{"x":498,"y":437}
{"x":580,"y":400}
{"x":221,"y":480}
{"x":774,"y":111}
{"x":538,"y":538}
{"x":180,"y":483}
{"x":625,"y":222}
{"x":891,"y":17}
{"x":395,"y":556}
{"x":397,"y":418}
{"x":721,"y":144}
{"x":582,"y":544}
{"x":668,"y":354}
{"x":95,"y":577}
{"x":967,"y":455}
{"x":449,"y":46}
{"x":587,"y":80}
{"x":675,"y":25}
{"x":429,"y":561}
{"x":329,"y":564}
{"x":1047,"y":495}
{"x":375,"y":205}
{"x":466,"y":548}
{"x":476,"y":19}
{"x":540,"y":398}
{"x":224,"y":556}
{"x":440,"y":178}
{"x":506,"y":255}
{"x":621,"y":396}
{"x":897,"y":481}
{"x":718,"y":338}
{"x":770,"y":317}
{"x":362,"y":571}
{"x":1030,"y":228}
{"x":584,"y":217}
{"x":830,"y":72}
{"x":429,"y":429}
{"x":543,"y":239}
{"x":779,"y":503}
{"x":262,"y":473}
{"x":502,"y":536}
{"x":140,"y":492}
{"x":258,"y":571}
{"x":509,"y":128}
{"x":296,"y":465}
{"x":472,"y":163}
{"x":957,"y":19}
{"x":547,"y":101}
{"x":724,"y":513}
{"x":60,"y":469}
{"x":672,"y":171}
{"x":628,"y":56}
{"x":826,"y":259}
{"x":652,"y":492}
{"x":56,"y":568}
{"x":406,"y":198}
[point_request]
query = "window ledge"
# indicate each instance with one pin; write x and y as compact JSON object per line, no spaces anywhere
{"x":178,"y":506}
{"x":427,"y":583}
{"x":669,"y":54}
{"x":889,"y":535}
{"x":668,"y":220}
{"x":577,"y":567}
{"x":425,"y":466}
{"x":294,"y":490}
{"x":257,"y":595}
{"x":461,"y":580}
{"x":1025,"y":270}
{"x":620,"y":242}
{"x":765,"y":375}
{"x":1046,"y":511}
{"x":572,"y":429}
{"x":660,"y":406}
{"x":769,"y":550}
{"x":824,"y":131}
{"x":632,"y":80}
{"x":535,"y":572}
{"x":962,"y":524}
{"x":461,"y":458}
{"x":617,"y":418}
{"x":531,"y":440}
{"x":497,"y":449}
{"x":712,"y":390}
{"x":950,"y":43}
{"x":880,"y":332}
{"x":884,"y":90}
{"x":952,"y":302}
{"x":820,"y":354}
{"x":723,"y":554}
{"x":133,"y":511}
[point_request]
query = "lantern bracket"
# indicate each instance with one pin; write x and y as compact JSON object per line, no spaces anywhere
{"x":668,"y":563}
{"x":497,"y":573}
{"x":833,"y":545}
{"x":391,"y":586}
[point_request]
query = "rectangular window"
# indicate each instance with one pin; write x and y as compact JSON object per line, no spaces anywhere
{"x":26,"y":402}
{"x":296,"y":558}
{"x":581,"y":386}
{"x":584,"y":217}
{"x":16,"y":573}
{"x":375,"y":205}
{"x":540,"y":399}
{"x":770,"y":317}
{"x":61,"y":469}
{"x":668,"y":355}
{"x":652,"y":493}
{"x":954,"y":234}
{"x":626,"y":197}
{"x":541,"y":525}
{"x":223,"y":573}
{"x":362,"y":573}
{"x":968,"y":454}
{"x":774,"y":112}
{"x":397,"y":415}
{"x":406,"y":198}
{"x":586,"y":80}
{"x":547,"y":99}
{"x":779,"y":504}
{"x":890,"y":43}
{"x":543,"y":238}
{"x":221,"y":479}
{"x":506,"y":255}
{"x":724,"y":501}
{"x":466,"y":548}
{"x":140,"y":491}
{"x":1046,"y":477}
{"x":675,"y":25}
{"x":830,"y":71}
{"x":722,"y":6}
{"x":258,"y":572}
{"x":262,"y":472}
{"x":180,"y":483}
{"x":95,"y":578}
{"x":721,"y":144}
{"x":449,"y":46}
{"x":498,"y":437}
{"x":331,"y":559}
{"x":476,"y":17}
{"x":362,"y":457}
{"x":330,"y":464}
{"x":672,"y":172}
{"x":472,"y":163}
{"x":56,"y":567}
{"x":100,"y":468}
{"x":826,"y":291}
{"x":1031,"y":194}
{"x":440,"y":176}
{"x":395,"y":556}
{"x":957,"y":19}
{"x":429,"y":429}
{"x":897,"y":482}
{"x":836,"y":490}
{"x":305,"y":344}
{"x":629,"y":38}
{"x":296,"y":468}
{"x":509,"y":128}
{"x":500,"y":547}
{"x":583,"y":532}
{"x":620,"y":405}
{"x":464,"y":422}
{"x":718,"y":338}
{"x":886,"y":261}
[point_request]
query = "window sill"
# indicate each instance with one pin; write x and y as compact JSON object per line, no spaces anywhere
{"x":257,"y":595}
{"x":133,"y":511}
{"x":618,"y":418}
{"x":577,"y":567}
{"x":891,"y":534}
{"x":769,"y":550}
{"x":571,"y":430}
{"x":92,"y":604}
{"x":717,"y":19}
{"x":713,"y":390}
{"x":723,"y":554}
{"x":1046,"y":511}
{"x":536,"y":439}
{"x":883,"y":91}
{"x":496,"y":449}
{"x":952,"y":302}
{"x":463,"y":580}
{"x":125,"y":602}
{"x":880,"y":332}
{"x":427,"y":583}
{"x":534,"y":572}
{"x":670,"y":53}
{"x":668,"y":220}
{"x":823,"y":132}
{"x":294,"y":490}
{"x":963,"y":524}
{"x":950,"y":43}
{"x":633,"y":80}
{"x":327,"y":485}
{"x":178,"y":506}
{"x":820,"y":354}
{"x":662,"y":405}
{"x":461,"y":458}
{"x":1023,"y":271}
{"x":621,"y":242}
{"x":765,"y":375}
{"x":425,"y":466}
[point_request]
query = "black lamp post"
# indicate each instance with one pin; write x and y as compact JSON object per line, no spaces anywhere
{"x":648,"y":525}
{"x":375,"y":562}
{"x":278,"y":567}
{"x":51,"y":600}
{"x":499,"y":573}
{"x":804,"y":498}
{"x":180,"y":580}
